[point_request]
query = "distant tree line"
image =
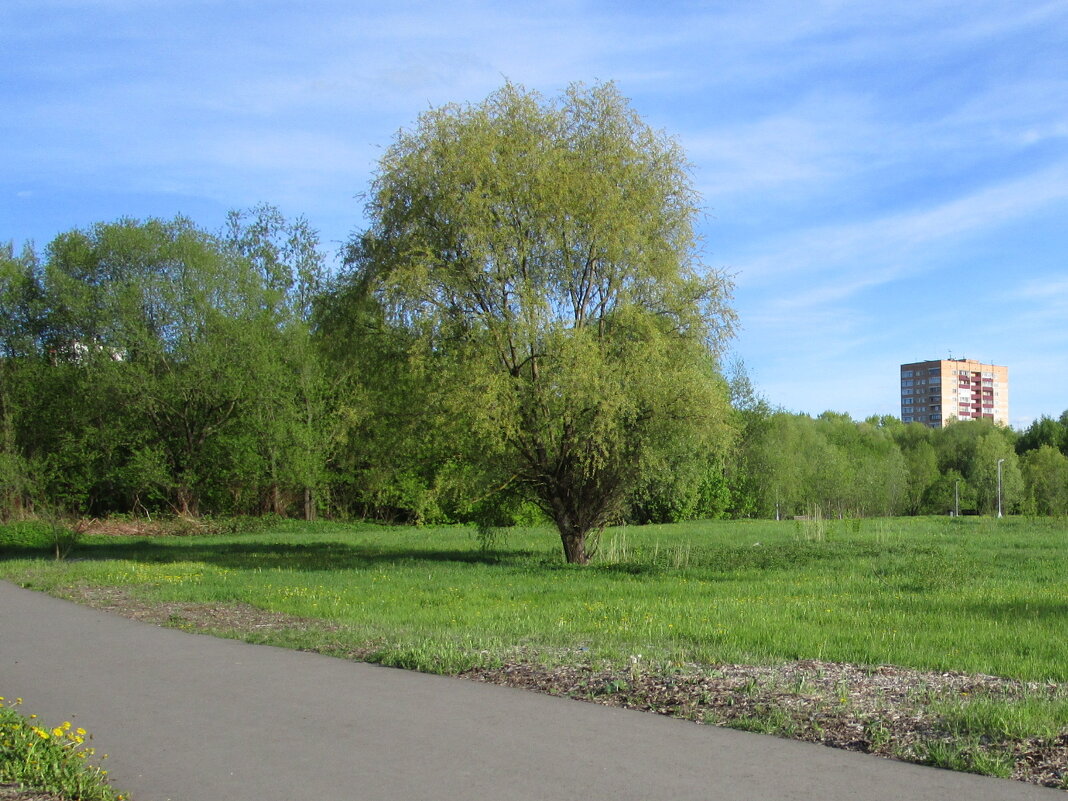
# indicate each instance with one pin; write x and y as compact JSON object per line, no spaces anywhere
{"x":787,"y":464}
{"x":151,"y":366}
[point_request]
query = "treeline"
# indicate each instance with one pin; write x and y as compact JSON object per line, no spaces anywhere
{"x":152,"y":366}
{"x":789,"y":464}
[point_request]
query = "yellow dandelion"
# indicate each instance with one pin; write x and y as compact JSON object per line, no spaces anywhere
{"x":57,"y":732}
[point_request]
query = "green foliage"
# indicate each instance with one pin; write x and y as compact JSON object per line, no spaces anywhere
{"x":534,"y":264}
{"x":992,"y":448}
{"x":49,"y":759}
{"x":25,"y":535}
{"x":524,"y":333}
{"x":786,"y":462}
{"x":1045,"y":475}
{"x":62,"y":537}
{"x":155,"y":366}
{"x":1044,"y":431}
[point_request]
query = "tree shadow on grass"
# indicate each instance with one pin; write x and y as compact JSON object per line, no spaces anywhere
{"x":305,"y":556}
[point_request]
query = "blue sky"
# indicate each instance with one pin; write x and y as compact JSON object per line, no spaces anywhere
{"x":888,"y":182}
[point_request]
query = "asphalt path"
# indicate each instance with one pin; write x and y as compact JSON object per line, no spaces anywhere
{"x":187,"y":717}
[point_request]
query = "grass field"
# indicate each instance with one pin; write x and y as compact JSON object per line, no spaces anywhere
{"x":976,"y":595}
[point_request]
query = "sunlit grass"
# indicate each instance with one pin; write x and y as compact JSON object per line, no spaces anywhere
{"x":50,"y":759}
{"x":975,"y":595}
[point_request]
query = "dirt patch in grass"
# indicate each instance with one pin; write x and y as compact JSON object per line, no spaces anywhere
{"x":209,"y":618}
{"x":174,"y":526}
{"x":16,"y":792}
{"x":880,"y":710}
{"x":883,"y":710}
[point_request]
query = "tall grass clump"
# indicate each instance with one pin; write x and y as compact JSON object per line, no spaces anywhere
{"x":812,"y":527}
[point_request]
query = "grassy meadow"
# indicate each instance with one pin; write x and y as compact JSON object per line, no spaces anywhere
{"x":968,"y":594}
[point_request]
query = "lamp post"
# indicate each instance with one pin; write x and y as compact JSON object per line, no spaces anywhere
{"x":999,"y":486}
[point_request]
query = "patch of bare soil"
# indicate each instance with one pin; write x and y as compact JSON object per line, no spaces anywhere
{"x":15,"y":792}
{"x":136,"y":526}
{"x":878,"y":710}
{"x":881,"y":710}
{"x":169,"y":526}
{"x":209,"y":618}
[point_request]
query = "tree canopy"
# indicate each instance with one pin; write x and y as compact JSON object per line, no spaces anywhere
{"x":540,"y":257}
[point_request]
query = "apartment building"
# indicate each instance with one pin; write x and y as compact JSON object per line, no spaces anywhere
{"x":936,"y":392}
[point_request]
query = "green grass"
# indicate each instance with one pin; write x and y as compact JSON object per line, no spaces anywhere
{"x":969,"y":594}
{"x":966,"y":757}
{"x":1001,"y":719}
{"x":54,"y":760}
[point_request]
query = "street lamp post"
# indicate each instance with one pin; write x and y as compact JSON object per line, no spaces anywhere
{"x":999,"y":486}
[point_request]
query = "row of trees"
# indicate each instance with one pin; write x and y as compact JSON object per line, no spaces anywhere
{"x":524,"y":331}
{"x":787,"y":463}
{"x":151,"y":364}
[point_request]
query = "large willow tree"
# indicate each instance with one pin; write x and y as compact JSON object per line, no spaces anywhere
{"x":539,"y":258}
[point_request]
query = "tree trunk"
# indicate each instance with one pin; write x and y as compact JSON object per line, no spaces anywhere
{"x":187,"y":501}
{"x":573,"y":521}
{"x":575,"y":547}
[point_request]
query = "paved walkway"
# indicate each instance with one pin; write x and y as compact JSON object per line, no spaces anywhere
{"x":187,"y":717}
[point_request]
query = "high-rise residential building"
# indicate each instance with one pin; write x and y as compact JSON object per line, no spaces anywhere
{"x":936,"y":392}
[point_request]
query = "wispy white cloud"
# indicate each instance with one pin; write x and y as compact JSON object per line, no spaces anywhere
{"x":896,"y":244}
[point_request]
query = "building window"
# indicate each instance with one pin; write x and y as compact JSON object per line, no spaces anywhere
{"x":907,"y":401}
{"x":906,"y":373}
{"x":906,"y":392}
{"x":906,"y":383}
{"x":906,"y":419}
